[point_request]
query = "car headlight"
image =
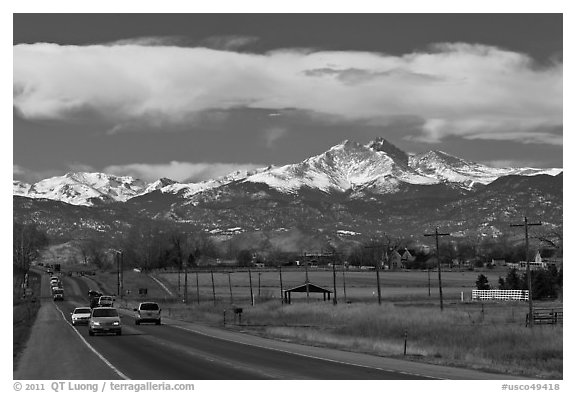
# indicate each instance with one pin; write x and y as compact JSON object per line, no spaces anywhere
{"x":116,"y":323}
{"x":96,"y":323}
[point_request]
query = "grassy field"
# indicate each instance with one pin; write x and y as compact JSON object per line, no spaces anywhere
{"x":491,"y":336}
{"x":350,"y":285}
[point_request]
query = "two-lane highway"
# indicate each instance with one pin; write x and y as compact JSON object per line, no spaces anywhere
{"x":171,"y":352}
{"x":180,"y":351}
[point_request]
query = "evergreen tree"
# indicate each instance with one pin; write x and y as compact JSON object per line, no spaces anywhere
{"x":482,"y":282}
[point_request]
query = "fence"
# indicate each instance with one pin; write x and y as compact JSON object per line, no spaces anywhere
{"x":550,"y":316}
{"x":500,"y":294}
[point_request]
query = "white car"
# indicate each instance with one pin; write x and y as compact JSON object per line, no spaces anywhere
{"x":148,"y":312}
{"x":104,"y":320}
{"x":81,"y":316}
{"x":106,"y":301}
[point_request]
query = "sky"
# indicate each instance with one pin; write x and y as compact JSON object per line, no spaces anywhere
{"x":196,"y":96}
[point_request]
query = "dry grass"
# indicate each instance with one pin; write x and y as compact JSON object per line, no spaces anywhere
{"x":453,"y":337}
{"x":489,"y":336}
{"x":24,"y":313}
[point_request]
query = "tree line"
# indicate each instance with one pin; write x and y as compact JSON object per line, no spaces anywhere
{"x":546,"y":283}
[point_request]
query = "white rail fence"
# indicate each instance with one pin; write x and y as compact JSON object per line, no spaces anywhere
{"x":500,"y":294}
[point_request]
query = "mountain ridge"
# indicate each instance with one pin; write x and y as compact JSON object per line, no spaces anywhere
{"x":378,"y":167}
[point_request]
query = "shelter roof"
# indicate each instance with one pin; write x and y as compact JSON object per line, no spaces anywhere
{"x":313,"y":288}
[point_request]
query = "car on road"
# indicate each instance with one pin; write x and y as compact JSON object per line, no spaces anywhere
{"x":57,"y":293}
{"x":106,"y":301}
{"x":148,"y":312}
{"x":104,"y":320}
{"x":81,"y":315}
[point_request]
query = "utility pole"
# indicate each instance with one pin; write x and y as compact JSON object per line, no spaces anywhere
{"x":119,"y":256}
{"x":185,"y":282}
{"x":230,"y":285}
{"x":197,"y":288}
{"x":251,"y":291}
{"x":526,"y":224}
{"x":118,"y":272}
{"x":344,"y":283}
{"x":436,"y":235}
{"x":121,"y":274}
{"x":213,"y":288}
{"x":335,"y":300}
{"x":307,"y":282}
{"x":259,"y":279}
{"x":377,"y":275}
{"x":281,"y":287}
{"x":429,"y":281}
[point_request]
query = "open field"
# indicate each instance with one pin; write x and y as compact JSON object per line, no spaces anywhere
{"x":350,"y":285}
{"x":490,"y":335}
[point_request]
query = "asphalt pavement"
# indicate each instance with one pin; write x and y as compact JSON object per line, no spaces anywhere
{"x":177,"y":350}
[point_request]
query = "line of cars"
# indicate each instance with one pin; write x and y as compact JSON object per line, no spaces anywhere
{"x":57,"y":288}
{"x":103,"y":317}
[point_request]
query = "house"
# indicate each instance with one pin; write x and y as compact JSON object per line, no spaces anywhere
{"x":395,"y":260}
{"x":406,"y":258}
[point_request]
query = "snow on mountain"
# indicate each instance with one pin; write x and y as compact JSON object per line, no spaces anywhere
{"x":189,"y":189}
{"x":346,"y":166}
{"x":378,"y":167}
{"x":447,"y":168}
{"x":81,"y":188}
{"x":20,"y":188}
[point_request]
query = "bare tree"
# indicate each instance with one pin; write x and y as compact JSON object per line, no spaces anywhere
{"x":27,"y":243}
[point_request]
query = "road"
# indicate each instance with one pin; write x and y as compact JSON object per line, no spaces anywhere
{"x":181,"y":351}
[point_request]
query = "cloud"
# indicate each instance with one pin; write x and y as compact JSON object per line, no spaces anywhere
{"x":151,"y":41}
{"x":516,"y":163}
{"x":32,"y":176}
{"x":272,"y":134}
{"x":228,"y":42}
{"x":179,"y":171}
{"x":455,"y":89}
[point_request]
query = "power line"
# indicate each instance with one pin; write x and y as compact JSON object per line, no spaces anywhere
{"x":378,"y":272}
{"x":436,"y":235}
{"x":526,"y":224}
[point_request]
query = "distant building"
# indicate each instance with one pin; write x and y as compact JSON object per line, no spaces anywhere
{"x":318,"y":259}
{"x":407,"y":258}
{"x":538,"y":263}
{"x":395,"y":260}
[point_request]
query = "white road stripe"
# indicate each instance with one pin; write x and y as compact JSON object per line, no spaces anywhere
{"x":304,"y":355}
{"x":90,"y":347}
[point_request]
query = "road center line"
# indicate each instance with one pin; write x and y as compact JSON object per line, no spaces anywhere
{"x":90,"y":347}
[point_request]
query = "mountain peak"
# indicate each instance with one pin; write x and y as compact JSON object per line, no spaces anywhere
{"x":382,"y":145}
{"x":445,"y":158}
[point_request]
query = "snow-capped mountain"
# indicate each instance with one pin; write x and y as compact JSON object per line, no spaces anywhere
{"x":346,"y":166}
{"x":82,"y":188}
{"x":382,"y":167}
{"x":450,"y":169}
{"x":378,"y":167}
